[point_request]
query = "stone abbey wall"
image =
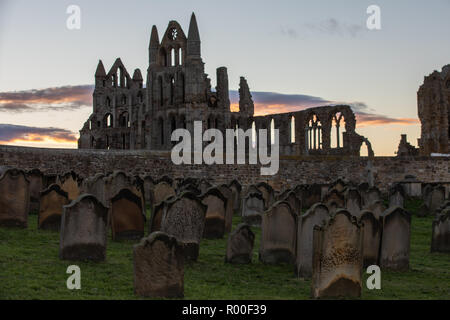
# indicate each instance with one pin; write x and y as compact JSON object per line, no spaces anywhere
{"x":293,"y":170}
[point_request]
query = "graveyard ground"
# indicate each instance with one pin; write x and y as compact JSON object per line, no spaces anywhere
{"x":30,"y":269}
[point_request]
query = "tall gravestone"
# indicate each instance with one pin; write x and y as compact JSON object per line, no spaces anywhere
{"x":372,"y":238}
{"x":159,"y":267}
{"x":278,"y":235}
{"x":184,"y":219}
{"x":36,"y":179}
{"x":69,"y":182}
{"x":84,"y":230}
{"x":395,"y":242}
{"x":236,"y":188}
{"x":229,"y":210}
{"x":441,"y":232}
{"x":149,"y":185}
{"x":338,"y":258}
{"x":52,"y":202}
{"x":316,"y":215}
{"x":14,"y":198}
{"x":216,"y":205}
{"x":127,"y":220}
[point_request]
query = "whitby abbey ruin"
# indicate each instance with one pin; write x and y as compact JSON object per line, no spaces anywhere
{"x":128,"y":116}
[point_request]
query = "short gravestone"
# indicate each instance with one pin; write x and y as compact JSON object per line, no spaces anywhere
{"x":216,"y":204}
{"x":52,"y":202}
{"x":127,"y":220}
{"x":14,"y":198}
{"x":159,"y":267}
{"x":338,"y":258}
{"x":441,"y":232}
{"x":395,"y":242}
{"x":372,"y":238}
{"x":84,"y":230}
{"x":397,"y":196}
{"x":184,"y":219}
{"x":316,"y":215}
{"x":353,"y":202}
{"x":278,"y":235}
{"x":36,"y":179}
{"x":253,"y":209}
{"x":240,"y":245}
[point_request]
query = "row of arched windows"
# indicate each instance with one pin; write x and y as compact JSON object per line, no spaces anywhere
{"x":173,"y":58}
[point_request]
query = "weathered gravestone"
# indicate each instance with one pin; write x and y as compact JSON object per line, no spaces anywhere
{"x":84,"y":230}
{"x":339,"y":185}
{"x":236,"y":189}
{"x":338,"y":258}
{"x":127,"y":220}
{"x":216,"y":204}
{"x":228,"y":194}
{"x":159,"y":267}
{"x":353,"y":201}
{"x":14,"y":198}
{"x":377,"y":208}
{"x":184,"y":218}
{"x":434,"y":197}
{"x":309,"y":194}
{"x":395,"y":242}
{"x":240,"y":245}
{"x":267,"y":192}
{"x":69,"y":182}
{"x":372,"y":238}
{"x":149,"y":185}
{"x":334,"y":199}
{"x":278,"y":235}
{"x":115,"y":182}
{"x":397,"y":196}
{"x":372,"y":195}
{"x":96,"y":186}
{"x":36,"y":179}
{"x":412,"y":186}
{"x":316,"y":215}
{"x":204,"y":185}
{"x":294,"y":202}
{"x":253,"y":208}
{"x":162,"y":192}
{"x":441,"y":232}
{"x":52,"y":202}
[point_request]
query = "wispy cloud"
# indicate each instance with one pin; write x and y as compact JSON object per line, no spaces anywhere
{"x":50,"y":99}
{"x":333,"y":26}
{"x":10,"y":133}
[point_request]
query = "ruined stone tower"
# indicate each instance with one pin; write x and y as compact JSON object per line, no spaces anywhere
{"x":434,"y":112}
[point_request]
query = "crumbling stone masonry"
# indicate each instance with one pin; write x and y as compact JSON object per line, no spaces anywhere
{"x":128,"y":116}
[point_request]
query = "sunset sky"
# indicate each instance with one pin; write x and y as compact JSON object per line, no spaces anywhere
{"x":294,"y":54}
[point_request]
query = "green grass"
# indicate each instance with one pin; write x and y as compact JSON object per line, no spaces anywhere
{"x":30,"y":269}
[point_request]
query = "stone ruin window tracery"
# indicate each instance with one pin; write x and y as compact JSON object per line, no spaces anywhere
{"x":337,"y":130}
{"x":314,"y":134}
{"x":292,"y":130}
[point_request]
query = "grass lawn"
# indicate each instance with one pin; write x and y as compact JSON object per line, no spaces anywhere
{"x":30,"y":269}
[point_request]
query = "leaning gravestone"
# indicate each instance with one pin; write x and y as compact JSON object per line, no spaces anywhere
{"x":52,"y":202}
{"x":36,"y":179}
{"x":253,"y":209}
{"x":397,"y":196}
{"x":84,"y":230}
{"x":316,"y":215}
{"x":216,"y":205}
{"x":127,"y":220}
{"x":278,"y":235}
{"x":338,"y":257}
{"x":228,"y":194}
{"x":395,"y":241}
{"x":14,"y":198}
{"x":353,"y":202}
{"x":159,"y":267}
{"x":240,"y":245}
{"x":184,"y":219}
{"x":372,"y":238}
{"x":441,"y":232}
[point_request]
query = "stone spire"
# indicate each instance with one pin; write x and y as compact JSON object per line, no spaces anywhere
{"x":154,"y":46}
{"x":193,"y":41}
{"x":100,"y":70}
